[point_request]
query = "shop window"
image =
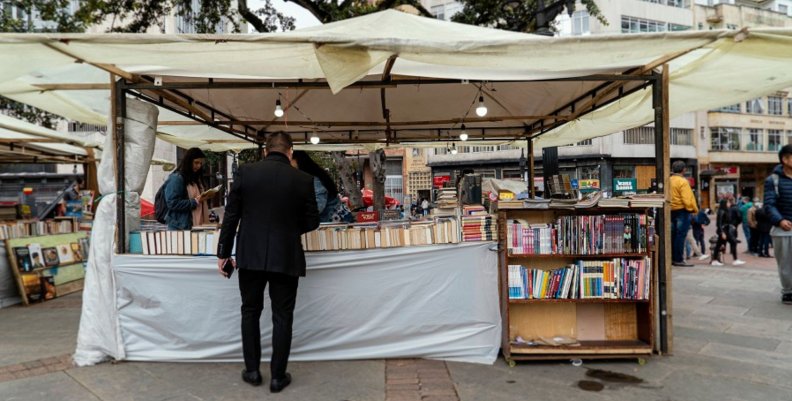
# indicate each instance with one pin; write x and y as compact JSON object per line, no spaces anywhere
{"x":623,"y":172}
{"x":394,"y":187}
{"x":775,"y":105}
{"x":589,"y":173}
{"x":754,"y":140}
{"x":511,"y":174}
{"x":724,"y":138}
{"x":754,"y":106}
{"x":774,"y":139}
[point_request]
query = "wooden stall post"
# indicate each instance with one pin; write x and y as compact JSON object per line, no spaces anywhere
{"x":531,"y":175}
{"x":118,"y":96}
{"x":663,"y":227}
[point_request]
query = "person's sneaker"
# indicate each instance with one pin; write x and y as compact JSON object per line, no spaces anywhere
{"x":786,"y":299}
{"x":716,"y":263}
{"x":738,"y":262}
{"x":704,"y":257}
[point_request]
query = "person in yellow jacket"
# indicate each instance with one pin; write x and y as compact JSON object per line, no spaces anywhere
{"x":683,"y":203}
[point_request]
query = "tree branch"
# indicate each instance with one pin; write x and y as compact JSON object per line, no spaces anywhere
{"x":251,"y":17}
{"x":314,"y":9}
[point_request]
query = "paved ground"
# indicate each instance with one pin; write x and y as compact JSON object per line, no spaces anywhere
{"x":733,"y":341}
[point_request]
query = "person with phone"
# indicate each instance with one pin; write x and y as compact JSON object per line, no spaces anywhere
{"x":272,"y":204}
{"x":186,"y":206}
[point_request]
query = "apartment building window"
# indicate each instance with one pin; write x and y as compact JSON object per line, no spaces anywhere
{"x":638,"y":25}
{"x":789,"y":138}
{"x":452,"y":9}
{"x":677,"y":27}
{"x":439,"y":11}
{"x":585,"y":142}
{"x":731,"y":26}
{"x":774,"y":139}
{"x":754,"y":106}
{"x":682,"y":136}
{"x":775,"y":105}
{"x":789,"y":107}
{"x":639,"y":136}
{"x":782,"y":8}
{"x":734,"y":108}
{"x":754,"y":140}
{"x":580,"y":23}
{"x":724,"y":138}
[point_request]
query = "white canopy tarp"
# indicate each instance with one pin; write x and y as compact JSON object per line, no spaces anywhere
{"x":711,"y":72}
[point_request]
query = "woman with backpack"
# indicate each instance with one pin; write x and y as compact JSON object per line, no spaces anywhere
{"x":727,"y":223}
{"x":182,"y":193}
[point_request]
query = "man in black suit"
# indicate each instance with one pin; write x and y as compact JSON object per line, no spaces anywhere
{"x":273,"y":204}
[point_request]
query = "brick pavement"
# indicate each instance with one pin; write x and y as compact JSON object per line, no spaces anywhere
{"x":418,"y":380}
{"x":35,"y":368}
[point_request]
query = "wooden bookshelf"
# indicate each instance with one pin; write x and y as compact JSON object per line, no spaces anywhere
{"x":603,"y":327}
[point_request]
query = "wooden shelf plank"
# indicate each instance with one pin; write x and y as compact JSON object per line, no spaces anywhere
{"x":619,"y":347}
{"x":577,"y":301}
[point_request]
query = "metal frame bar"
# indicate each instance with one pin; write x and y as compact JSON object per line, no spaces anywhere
{"x":662,"y":153}
{"x":118,"y":120}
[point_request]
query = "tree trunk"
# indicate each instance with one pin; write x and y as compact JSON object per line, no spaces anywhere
{"x":377,"y":159}
{"x":347,"y":174}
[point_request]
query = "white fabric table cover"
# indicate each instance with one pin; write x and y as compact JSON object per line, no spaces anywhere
{"x":438,"y":302}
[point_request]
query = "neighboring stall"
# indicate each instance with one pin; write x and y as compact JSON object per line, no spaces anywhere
{"x":386,"y":79}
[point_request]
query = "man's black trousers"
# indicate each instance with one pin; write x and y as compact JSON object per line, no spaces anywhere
{"x":283,"y":293}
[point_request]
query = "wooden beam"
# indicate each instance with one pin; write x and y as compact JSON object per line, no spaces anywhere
{"x":368,"y":123}
{"x":72,"y":87}
{"x":30,"y":140}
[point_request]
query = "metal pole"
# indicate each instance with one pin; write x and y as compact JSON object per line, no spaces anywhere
{"x":662,"y":227}
{"x":531,"y":175}
{"x":119,"y":115}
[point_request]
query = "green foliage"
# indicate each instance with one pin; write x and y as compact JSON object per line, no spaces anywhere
{"x":54,"y":14}
{"x":519,"y":16}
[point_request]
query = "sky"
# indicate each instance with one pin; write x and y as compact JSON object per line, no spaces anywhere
{"x":303,"y":18}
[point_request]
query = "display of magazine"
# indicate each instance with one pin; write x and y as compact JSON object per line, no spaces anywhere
{"x":36,"y":256}
{"x":22,"y":255}
{"x":51,"y":257}
{"x":65,"y":254}
{"x":78,"y":252}
{"x":48,"y":287}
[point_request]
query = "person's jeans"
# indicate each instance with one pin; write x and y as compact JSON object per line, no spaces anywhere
{"x":680,"y":224}
{"x":699,"y":236}
{"x":747,"y":232}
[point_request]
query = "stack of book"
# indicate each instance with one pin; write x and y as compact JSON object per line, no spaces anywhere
{"x":616,"y":201}
{"x":333,"y":237}
{"x":607,"y":279}
{"x":580,"y":235}
{"x":8,"y":211}
{"x":477,"y":225}
{"x":447,"y":203}
{"x":195,"y":242}
{"x":33,"y":228}
{"x":647,"y":200}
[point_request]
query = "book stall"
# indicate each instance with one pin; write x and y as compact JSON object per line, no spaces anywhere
{"x":563,"y":277}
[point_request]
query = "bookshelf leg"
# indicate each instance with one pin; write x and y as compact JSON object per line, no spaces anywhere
{"x":512,"y":363}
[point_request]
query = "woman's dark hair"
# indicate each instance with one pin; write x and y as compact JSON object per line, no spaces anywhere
{"x":186,"y":166}
{"x":724,"y":203}
{"x":306,"y":164}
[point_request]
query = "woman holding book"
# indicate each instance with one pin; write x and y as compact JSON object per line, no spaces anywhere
{"x":327,"y":202}
{"x":183,"y":189}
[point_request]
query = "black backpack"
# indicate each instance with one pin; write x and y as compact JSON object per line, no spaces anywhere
{"x":160,"y":205}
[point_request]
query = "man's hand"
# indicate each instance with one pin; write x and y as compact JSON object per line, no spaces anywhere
{"x":221,"y":263}
{"x":785,"y":225}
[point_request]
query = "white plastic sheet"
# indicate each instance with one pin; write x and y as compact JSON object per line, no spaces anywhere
{"x":98,"y":336}
{"x":437,"y":302}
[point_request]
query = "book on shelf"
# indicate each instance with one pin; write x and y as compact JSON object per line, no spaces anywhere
{"x":183,"y":242}
{"x":581,"y":235}
{"x":34,"y":228}
{"x":479,"y":227}
{"x":617,"y":278}
{"x":333,"y":237}
{"x":647,"y":200}
{"x":616,"y":201}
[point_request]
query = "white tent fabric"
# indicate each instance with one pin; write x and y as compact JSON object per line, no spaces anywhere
{"x":12,"y":128}
{"x":99,"y":334}
{"x":438,"y":302}
{"x":346,"y":51}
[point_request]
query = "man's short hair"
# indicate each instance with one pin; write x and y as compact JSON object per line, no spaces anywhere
{"x":678,"y":167}
{"x":786,"y":150}
{"x":279,"y":142}
{"x":79,"y":180}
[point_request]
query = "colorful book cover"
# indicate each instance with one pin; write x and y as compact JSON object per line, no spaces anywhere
{"x":50,"y":257}
{"x":48,"y":287}
{"x":65,"y":254}
{"x":36,"y":256}
{"x":22,"y":254}
{"x":32,"y":286}
{"x":78,"y":252}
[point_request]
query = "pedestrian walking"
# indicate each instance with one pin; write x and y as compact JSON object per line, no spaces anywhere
{"x":751,"y":223}
{"x":726,"y":232}
{"x":763,"y":227}
{"x":778,"y":205}
{"x":683,"y":203}
{"x":272,"y":204}
{"x":743,"y":208}
{"x":697,"y":223}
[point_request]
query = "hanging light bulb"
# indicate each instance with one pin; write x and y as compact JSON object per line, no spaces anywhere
{"x":278,"y":109}
{"x":481,"y":110}
{"x":314,"y":138}
{"x":463,"y":136}
{"x":453,"y":149}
